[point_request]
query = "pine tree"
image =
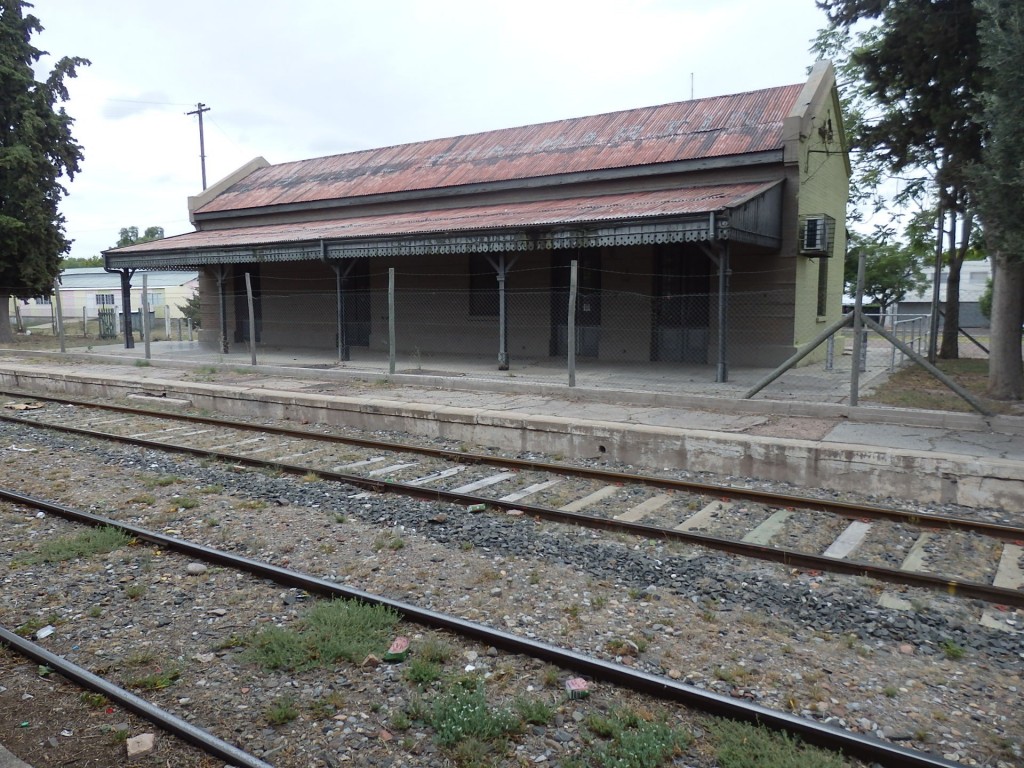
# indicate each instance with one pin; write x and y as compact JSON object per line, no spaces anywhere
{"x":36,"y":151}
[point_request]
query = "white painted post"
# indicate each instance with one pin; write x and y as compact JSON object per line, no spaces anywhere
{"x":145,"y":312}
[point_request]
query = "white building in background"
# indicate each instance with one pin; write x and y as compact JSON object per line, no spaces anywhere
{"x":86,"y":291}
{"x":974,"y":277}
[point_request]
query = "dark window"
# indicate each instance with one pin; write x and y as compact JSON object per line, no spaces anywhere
{"x":822,"y":287}
{"x":104,"y":299}
{"x":483,"y":287}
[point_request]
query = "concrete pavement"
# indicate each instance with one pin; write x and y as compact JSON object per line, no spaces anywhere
{"x":798,"y":430}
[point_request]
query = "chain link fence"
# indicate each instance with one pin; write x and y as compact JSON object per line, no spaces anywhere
{"x":412,"y":322}
{"x":395,"y":321}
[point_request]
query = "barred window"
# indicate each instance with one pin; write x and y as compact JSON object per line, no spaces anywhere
{"x":104,"y":299}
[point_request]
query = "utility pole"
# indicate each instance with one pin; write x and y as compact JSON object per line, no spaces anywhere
{"x":200,"y":108}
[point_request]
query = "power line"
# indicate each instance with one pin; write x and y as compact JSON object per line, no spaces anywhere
{"x":157,"y":103}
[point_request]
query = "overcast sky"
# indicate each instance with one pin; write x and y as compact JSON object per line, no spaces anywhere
{"x":309,"y":78}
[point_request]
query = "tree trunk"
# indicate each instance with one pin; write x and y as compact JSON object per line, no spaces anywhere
{"x":950,"y":349}
{"x":1005,"y":368}
{"x":6,"y":334}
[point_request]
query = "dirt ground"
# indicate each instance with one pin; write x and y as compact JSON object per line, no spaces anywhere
{"x":91,"y":733}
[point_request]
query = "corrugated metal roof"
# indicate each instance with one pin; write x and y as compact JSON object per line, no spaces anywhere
{"x":87,"y":279}
{"x":578,"y":210}
{"x":702,"y":128}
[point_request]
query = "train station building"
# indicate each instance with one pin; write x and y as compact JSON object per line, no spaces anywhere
{"x":706,"y":232}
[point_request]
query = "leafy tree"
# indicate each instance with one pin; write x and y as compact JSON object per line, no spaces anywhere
{"x":36,"y":150}
{"x":919,"y":77}
{"x":1000,"y":185}
{"x":985,"y":300}
{"x":130,"y":236}
{"x":891,"y":270}
{"x":78,"y":263}
{"x":190,"y":310}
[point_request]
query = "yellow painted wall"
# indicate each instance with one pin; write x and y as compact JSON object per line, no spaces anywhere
{"x":824,"y":188}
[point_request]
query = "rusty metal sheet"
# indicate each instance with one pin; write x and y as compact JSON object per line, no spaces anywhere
{"x":681,"y":201}
{"x":701,"y":128}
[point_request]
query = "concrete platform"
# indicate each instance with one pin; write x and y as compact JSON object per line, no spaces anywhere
{"x":7,"y":760}
{"x":673,"y":416}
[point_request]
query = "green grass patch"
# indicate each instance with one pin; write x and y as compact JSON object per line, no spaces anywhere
{"x":740,"y":745}
{"x":387,"y":541}
{"x":31,"y":626}
{"x":629,"y":741}
{"x":952,"y":650}
{"x":95,"y":541}
{"x":533,"y":711}
{"x":436,"y":650}
{"x":422,"y":672}
{"x":331,"y":631}
{"x":155,"y":681}
{"x":462,"y":713}
{"x":282,"y":711}
{"x":93,"y":700}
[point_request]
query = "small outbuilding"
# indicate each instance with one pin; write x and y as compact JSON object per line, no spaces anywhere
{"x":709,"y":231}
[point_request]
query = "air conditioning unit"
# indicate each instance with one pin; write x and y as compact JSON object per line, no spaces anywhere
{"x":816,"y":233}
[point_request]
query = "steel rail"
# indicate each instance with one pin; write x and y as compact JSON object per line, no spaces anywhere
{"x":858,"y":745}
{"x":969,"y":589}
{"x":843,"y":508}
{"x":171,"y":723}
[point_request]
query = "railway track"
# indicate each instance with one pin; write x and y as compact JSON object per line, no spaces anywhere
{"x":970,"y":557}
{"x":860,"y":746}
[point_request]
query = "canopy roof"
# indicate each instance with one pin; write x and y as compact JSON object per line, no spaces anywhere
{"x":744,"y":212}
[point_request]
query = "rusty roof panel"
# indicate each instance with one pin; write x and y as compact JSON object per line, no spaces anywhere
{"x":578,"y":210}
{"x":702,"y":128}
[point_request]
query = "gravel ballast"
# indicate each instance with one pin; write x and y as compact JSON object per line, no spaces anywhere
{"x":816,"y":644}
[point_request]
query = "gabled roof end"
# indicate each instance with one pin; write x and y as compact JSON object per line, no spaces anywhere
{"x":197,"y":201}
{"x":816,"y":91}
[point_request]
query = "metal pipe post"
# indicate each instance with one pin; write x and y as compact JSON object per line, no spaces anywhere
{"x":502,"y":317}
{"x":798,"y":356}
{"x":571,"y":334}
{"x":858,"y":325}
{"x":222,"y":307}
{"x":391,"y":321}
{"x":252,"y":318}
{"x":60,"y":318}
{"x":722,"y":371}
